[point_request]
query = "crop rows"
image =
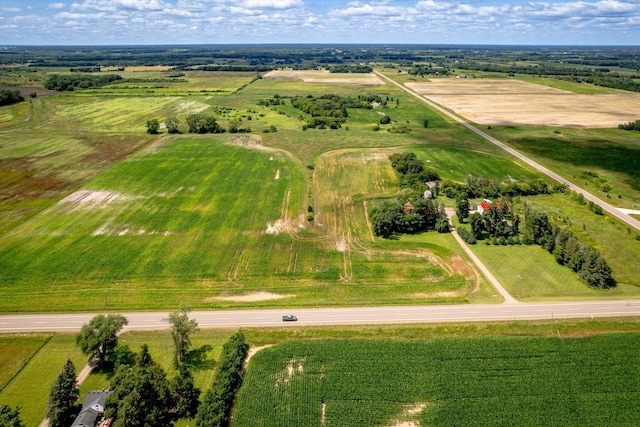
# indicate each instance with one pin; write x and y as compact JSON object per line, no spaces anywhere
{"x":471,"y":381}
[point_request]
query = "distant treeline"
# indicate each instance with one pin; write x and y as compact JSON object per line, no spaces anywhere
{"x":8,"y":97}
{"x":221,"y":67}
{"x":344,"y":68}
{"x":79,"y":81}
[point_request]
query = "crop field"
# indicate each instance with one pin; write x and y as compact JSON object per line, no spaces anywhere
{"x":487,"y":381}
{"x":152,"y":230}
{"x":326,"y":77}
{"x":514,"y":102}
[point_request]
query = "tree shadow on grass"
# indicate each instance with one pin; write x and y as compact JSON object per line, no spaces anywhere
{"x":197,"y":359}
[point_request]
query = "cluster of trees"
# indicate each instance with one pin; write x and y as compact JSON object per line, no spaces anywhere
{"x":8,"y":97}
{"x":371,"y":98}
{"x":498,"y":222}
{"x":422,"y":70}
{"x":199,"y":123}
{"x":344,"y":68}
{"x":79,"y":81}
{"x":142,"y":394}
{"x":90,"y":69}
{"x":172,"y":124}
{"x":327,"y":110}
{"x":276,"y":100}
{"x":412,"y":171}
{"x":566,"y":249}
{"x":626,"y":126}
{"x":492,"y":188}
{"x":408,"y":215}
{"x":218,"y":400}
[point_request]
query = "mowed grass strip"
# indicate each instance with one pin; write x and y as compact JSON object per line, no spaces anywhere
{"x":486,"y":381}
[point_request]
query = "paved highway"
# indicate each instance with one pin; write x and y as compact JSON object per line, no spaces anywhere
{"x":337,"y":316}
{"x":614,"y":212}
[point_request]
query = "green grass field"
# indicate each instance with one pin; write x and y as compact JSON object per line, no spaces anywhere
{"x":468,"y":381}
{"x":610,"y":153}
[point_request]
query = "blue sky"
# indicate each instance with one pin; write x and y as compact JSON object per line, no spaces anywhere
{"x":533,"y":22}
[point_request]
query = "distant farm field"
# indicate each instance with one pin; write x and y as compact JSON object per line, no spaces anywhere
{"x":514,"y":102}
{"x":489,"y":381}
{"x":326,"y":77}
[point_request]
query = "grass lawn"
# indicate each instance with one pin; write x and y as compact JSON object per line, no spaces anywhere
{"x":530,"y":273}
{"x":30,"y":388}
{"x":18,"y":351}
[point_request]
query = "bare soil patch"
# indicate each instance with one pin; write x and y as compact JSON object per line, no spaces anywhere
{"x":512,"y":102}
{"x":409,"y":415}
{"x":92,"y":197}
{"x":326,"y":77}
{"x":254,"y":296}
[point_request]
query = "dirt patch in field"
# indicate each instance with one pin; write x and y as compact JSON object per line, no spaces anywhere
{"x":461,"y":267}
{"x":94,"y":198}
{"x":253,"y":296}
{"x":326,"y":77}
{"x":191,"y":107}
{"x":253,"y":350}
{"x":512,"y":102}
{"x":409,"y":415}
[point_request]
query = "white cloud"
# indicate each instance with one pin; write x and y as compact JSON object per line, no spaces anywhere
{"x":112,"y":5}
{"x":56,"y":6}
{"x":11,"y":9}
{"x":271,"y":4}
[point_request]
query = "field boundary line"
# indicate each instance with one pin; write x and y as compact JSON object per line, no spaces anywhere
{"x":605,"y":206}
{"x":26,"y":362}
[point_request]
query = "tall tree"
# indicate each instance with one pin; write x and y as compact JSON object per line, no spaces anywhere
{"x":462,"y":208}
{"x":153,"y":126}
{"x":141,"y":395}
{"x":98,"y":338}
{"x":64,"y":393}
{"x":10,"y":417}
{"x":173,"y":124}
{"x":185,"y":394}
{"x":181,"y":328}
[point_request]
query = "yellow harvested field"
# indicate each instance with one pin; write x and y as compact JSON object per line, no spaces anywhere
{"x":514,"y":102}
{"x":326,"y":77}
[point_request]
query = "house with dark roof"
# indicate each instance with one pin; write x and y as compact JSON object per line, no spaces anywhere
{"x":92,"y":412}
